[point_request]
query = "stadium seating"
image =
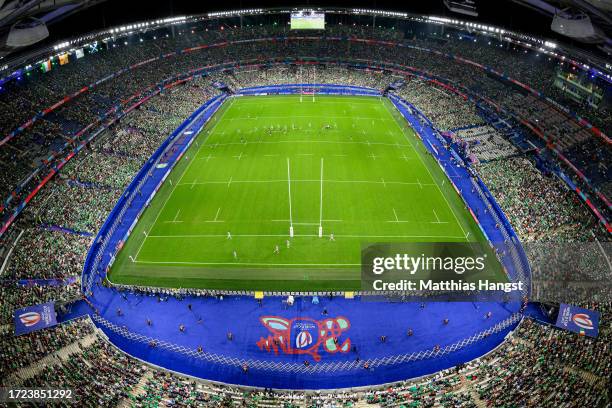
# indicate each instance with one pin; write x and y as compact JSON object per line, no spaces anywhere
{"x":526,"y":370}
{"x":51,"y":237}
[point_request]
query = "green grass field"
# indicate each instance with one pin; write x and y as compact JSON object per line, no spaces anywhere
{"x":350,"y":165}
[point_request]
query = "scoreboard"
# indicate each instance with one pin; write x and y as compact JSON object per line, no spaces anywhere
{"x":307,"y":20}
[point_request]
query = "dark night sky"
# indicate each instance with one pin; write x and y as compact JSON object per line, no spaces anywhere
{"x":503,"y":13}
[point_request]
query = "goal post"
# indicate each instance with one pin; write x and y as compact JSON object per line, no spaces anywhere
{"x":291,"y":231}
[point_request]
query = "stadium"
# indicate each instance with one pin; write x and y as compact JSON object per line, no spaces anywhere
{"x":305,"y":206}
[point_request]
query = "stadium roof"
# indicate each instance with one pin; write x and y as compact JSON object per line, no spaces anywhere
{"x":119,"y":21}
{"x":23,"y":22}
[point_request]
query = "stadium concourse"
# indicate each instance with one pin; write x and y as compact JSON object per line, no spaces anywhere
{"x":536,"y":365}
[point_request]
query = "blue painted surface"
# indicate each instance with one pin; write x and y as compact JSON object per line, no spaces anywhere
{"x":241,"y":316}
{"x":400,"y":357}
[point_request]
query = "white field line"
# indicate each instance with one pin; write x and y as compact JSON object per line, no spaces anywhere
{"x":429,"y":172}
{"x":321,"y":200}
{"x":140,"y":247}
{"x":245,"y":101}
{"x":289,"y":188}
{"x":307,"y":141}
{"x":246,"y":263}
{"x":303,"y":235}
{"x":179,"y":180}
{"x":383,"y":182}
{"x":378,"y":119}
{"x":398,"y":221}
{"x":307,"y":223}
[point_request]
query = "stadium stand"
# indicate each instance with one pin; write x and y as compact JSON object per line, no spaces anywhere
{"x":526,"y":370}
{"x":50,"y":238}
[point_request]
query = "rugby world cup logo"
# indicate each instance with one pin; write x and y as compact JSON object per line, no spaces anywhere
{"x":583,"y":320}
{"x":29,"y":319}
{"x":303,"y":335}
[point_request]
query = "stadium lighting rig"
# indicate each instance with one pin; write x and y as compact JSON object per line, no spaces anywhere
{"x":597,"y":69}
{"x":467,"y":7}
{"x":206,"y":212}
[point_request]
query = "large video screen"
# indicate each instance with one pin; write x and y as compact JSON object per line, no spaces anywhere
{"x":307,"y":20}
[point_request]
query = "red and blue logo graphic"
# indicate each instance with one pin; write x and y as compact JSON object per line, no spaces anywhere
{"x":583,"y":320}
{"x":34,"y":317}
{"x":304,"y":335}
{"x":578,"y":320}
{"x":29,"y":319}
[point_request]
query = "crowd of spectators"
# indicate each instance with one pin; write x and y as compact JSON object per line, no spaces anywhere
{"x":539,"y":365}
{"x":51,"y":239}
{"x":546,"y":367}
{"x":445,"y":110}
{"x":20,"y":352}
{"x":15,"y":296}
{"x":80,"y":198}
{"x":36,"y":255}
{"x":540,"y":208}
{"x":55,"y":132}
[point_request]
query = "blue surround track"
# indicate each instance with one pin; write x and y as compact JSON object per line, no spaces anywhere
{"x":356,"y":323}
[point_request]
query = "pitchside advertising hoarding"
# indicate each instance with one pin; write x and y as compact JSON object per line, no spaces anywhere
{"x":441,"y":271}
{"x":578,"y":320}
{"x":33,"y":318}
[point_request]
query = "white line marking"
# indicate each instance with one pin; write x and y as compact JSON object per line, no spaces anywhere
{"x":177,"y":214}
{"x":310,"y":141}
{"x":230,"y":181}
{"x":429,"y":172}
{"x":217,"y":214}
{"x":437,"y":218}
{"x":307,"y":223}
{"x":304,"y":235}
{"x":141,"y":245}
{"x":210,"y":156}
{"x":246,"y":263}
{"x":404,"y":183}
{"x":182,"y":175}
{"x":289,"y":188}
{"x":321,"y":201}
